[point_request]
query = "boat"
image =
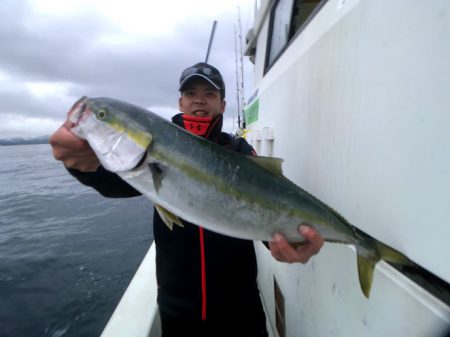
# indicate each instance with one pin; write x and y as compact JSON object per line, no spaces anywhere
{"x":354,"y":96}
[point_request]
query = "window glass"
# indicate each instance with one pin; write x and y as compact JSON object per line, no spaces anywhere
{"x":281,"y":25}
{"x":302,"y":12}
{"x":288,"y":18}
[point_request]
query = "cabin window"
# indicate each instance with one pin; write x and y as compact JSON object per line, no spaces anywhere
{"x":281,"y":25}
{"x":288,"y":18}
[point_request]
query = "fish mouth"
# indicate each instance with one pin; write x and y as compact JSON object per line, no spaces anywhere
{"x":77,"y":111}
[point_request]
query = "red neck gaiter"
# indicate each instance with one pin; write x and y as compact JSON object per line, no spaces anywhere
{"x":197,"y":125}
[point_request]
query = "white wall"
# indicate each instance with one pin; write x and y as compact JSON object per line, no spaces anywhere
{"x":360,"y":110}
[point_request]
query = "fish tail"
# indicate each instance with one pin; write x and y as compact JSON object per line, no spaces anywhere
{"x":391,"y":255}
{"x":366,"y":266}
{"x":366,"y":263}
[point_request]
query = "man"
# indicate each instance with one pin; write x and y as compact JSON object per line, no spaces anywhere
{"x":206,"y":281}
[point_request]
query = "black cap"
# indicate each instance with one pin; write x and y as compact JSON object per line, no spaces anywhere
{"x":205,"y":71}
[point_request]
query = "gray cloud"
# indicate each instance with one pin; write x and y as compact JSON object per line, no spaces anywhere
{"x":71,"y":53}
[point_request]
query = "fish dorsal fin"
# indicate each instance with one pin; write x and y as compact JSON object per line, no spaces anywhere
{"x":271,"y":164}
{"x":168,"y":218}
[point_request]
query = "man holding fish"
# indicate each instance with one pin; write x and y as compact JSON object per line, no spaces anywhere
{"x":206,"y":280}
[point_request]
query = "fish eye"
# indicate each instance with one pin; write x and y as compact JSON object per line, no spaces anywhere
{"x":101,"y":113}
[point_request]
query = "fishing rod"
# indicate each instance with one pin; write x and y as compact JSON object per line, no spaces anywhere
{"x":211,"y":38}
{"x":237,"y":80}
{"x":242,"y":71}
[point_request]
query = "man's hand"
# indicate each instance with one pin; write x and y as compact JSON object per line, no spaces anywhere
{"x":283,"y":251}
{"x":74,"y":152}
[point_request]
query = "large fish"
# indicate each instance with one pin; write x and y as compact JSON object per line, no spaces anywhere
{"x":189,"y":177}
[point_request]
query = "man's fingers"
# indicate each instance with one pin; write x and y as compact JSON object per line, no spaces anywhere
{"x":68,"y":124}
{"x":313,"y":238}
{"x":65,"y":138}
{"x":306,"y":252}
{"x":82,"y":165}
{"x":73,"y":151}
{"x":282,"y":250}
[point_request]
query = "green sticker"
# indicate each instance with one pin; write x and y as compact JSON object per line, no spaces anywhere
{"x":251,"y":113}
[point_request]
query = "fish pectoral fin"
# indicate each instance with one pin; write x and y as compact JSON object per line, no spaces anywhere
{"x":158,"y":173}
{"x":270,"y":164}
{"x":365,"y":273}
{"x":168,"y":218}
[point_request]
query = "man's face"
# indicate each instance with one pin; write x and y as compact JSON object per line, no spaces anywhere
{"x":199,"y":98}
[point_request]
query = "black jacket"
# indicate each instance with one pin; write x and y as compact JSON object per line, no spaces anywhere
{"x":200,"y":274}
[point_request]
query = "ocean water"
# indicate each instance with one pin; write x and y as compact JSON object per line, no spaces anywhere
{"x":66,"y":253}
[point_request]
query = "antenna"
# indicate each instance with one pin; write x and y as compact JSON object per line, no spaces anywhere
{"x":211,"y":38}
{"x":237,"y":80}
{"x":242,"y":70}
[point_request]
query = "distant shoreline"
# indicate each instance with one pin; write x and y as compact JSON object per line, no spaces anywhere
{"x":24,"y":141}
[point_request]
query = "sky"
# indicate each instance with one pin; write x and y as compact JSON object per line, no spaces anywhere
{"x":52,"y":52}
